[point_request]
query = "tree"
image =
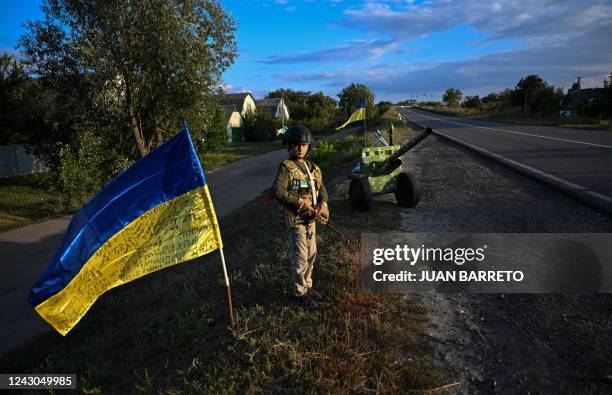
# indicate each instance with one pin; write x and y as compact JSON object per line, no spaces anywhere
{"x":576,"y":86}
{"x":34,"y":115}
{"x":527,"y":90}
{"x":260,"y":126}
{"x":315,"y":110}
{"x":352,"y":94}
{"x":296,"y":101}
{"x":537,"y":96}
{"x":141,"y":65}
{"x":322,"y":107}
{"x":12,"y":83}
{"x":490,"y":98}
{"x":452,"y":97}
{"x":472,"y":102}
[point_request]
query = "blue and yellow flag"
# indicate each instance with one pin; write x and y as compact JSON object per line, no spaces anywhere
{"x":358,"y":114}
{"x":155,"y":214}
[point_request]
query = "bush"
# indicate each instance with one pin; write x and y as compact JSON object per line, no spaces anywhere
{"x":260,"y":126}
{"x":472,"y":102}
{"x":328,"y":152}
{"x":79,"y":173}
{"x":318,"y":125}
{"x":383,"y":107}
{"x":84,"y":169}
{"x":214,"y":137}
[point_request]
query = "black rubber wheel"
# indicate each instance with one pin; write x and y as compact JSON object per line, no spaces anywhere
{"x":360,"y":194}
{"x":408,"y":192}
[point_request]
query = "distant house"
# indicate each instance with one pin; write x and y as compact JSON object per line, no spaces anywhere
{"x":14,"y":161}
{"x":234,"y":125}
{"x":241,"y":102}
{"x":236,"y":106}
{"x":576,"y":100}
{"x":275,"y":107}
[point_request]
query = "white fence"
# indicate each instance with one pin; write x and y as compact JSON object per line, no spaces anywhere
{"x":15,"y":161}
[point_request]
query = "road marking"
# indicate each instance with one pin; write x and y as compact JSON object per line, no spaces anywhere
{"x":514,"y":132}
{"x":568,"y":186}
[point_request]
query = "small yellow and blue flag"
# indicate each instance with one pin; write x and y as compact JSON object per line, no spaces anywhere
{"x":358,"y":114}
{"x":155,"y":214}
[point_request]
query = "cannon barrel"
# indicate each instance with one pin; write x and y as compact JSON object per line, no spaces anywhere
{"x":392,"y":162}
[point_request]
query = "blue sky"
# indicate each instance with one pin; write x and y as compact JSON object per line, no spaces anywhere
{"x":401,"y":49}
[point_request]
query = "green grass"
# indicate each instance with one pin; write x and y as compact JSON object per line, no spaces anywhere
{"x":167,"y":332}
{"x":29,"y":199}
{"x":25,"y":200}
{"x":329,"y":153}
{"x":214,"y":160}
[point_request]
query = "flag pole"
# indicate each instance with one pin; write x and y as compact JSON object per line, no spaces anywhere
{"x":230,"y":309}
{"x":365,"y":133}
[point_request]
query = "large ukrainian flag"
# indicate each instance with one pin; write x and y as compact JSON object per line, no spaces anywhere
{"x":357,"y":115}
{"x":155,"y":214}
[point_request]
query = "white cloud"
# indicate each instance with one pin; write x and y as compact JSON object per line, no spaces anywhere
{"x":541,"y":20}
{"x":355,"y":50}
{"x":587,"y":56}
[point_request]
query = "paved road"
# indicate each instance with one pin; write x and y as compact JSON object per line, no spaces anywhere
{"x":25,"y":252}
{"x":578,"y":161}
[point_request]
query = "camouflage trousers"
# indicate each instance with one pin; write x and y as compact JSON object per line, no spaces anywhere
{"x":303,"y":245}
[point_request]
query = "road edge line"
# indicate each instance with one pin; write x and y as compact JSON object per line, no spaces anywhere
{"x":587,"y":196}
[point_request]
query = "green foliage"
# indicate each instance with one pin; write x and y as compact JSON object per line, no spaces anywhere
{"x":316,"y":111}
{"x":214,"y":137}
{"x":434,"y":104}
{"x":35,"y":115}
{"x":26,"y":199}
{"x":12,"y":81}
{"x":296,"y":101}
{"x":472,"y":102}
{"x":329,"y":152}
{"x":81,"y":171}
{"x":143,"y":65}
{"x":214,"y":159}
{"x":86,"y":166}
{"x":350,"y":97}
{"x":452,"y":97}
{"x":536,"y":96}
{"x":383,"y":106}
{"x":260,"y":126}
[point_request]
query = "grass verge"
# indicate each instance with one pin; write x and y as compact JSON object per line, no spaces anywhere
{"x":214,"y":160}
{"x":27,"y":199}
{"x":328,"y":154}
{"x":167,"y":332}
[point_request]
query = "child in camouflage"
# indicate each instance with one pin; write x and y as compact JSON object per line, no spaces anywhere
{"x":299,"y":187}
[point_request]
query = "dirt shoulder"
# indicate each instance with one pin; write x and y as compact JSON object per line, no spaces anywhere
{"x":509,"y":343}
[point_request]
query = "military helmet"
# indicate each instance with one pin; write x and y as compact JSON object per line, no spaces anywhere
{"x":298,"y":134}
